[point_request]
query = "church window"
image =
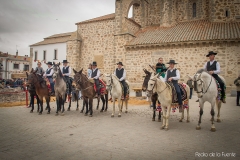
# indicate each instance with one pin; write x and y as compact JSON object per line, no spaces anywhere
{"x":35,"y":55}
{"x":55,"y":54}
{"x":44,"y":55}
{"x":194,"y":10}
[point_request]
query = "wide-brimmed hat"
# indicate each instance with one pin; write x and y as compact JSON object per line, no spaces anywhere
{"x":171,"y":62}
{"x":120,"y":63}
{"x":65,"y":61}
{"x":94,"y":63}
{"x":50,"y":63}
{"x":211,"y":53}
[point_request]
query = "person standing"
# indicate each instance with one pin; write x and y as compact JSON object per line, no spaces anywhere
{"x":173,"y":75}
{"x":121,"y":74}
{"x":95,"y":74}
{"x":190,"y":84}
{"x":160,"y":67}
{"x":213,"y":68}
{"x":237,"y":83}
{"x":48,"y":74}
{"x":66,"y":72}
{"x":89,"y":70}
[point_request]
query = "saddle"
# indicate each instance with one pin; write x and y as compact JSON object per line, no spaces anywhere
{"x":182,"y":87}
{"x":127,"y":93}
{"x":102,"y":87}
{"x":219,"y":89}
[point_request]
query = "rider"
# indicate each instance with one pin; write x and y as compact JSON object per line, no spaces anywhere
{"x":95,"y":74}
{"x":121,"y":74}
{"x":173,"y":75}
{"x":39,"y":71}
{"x":48,"y":74}
{"x":66,"y":72}
{"x":213,"y":68}
{"x":160,"y":67}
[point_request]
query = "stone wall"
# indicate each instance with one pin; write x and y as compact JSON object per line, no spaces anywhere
{"x":190,"y":58}
{"x":12,"y":95}
{"x":153,"y":12}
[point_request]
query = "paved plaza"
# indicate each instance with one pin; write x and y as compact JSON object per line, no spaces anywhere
{"x":73,"y":136}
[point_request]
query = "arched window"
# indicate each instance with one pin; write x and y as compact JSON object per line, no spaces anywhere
{"x":194,"y":10}
{"x":130,"y":12}
{"x":227,"y":13}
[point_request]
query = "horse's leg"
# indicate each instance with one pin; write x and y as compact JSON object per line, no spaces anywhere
{"x":188,"y":117}
{"x":98,"y":100}
{"x":106,"y":101}
{"x":86,"y":103}
{"x":91,"y":107}
{"x":38,"y":103}
{"x":76,"y":97}
{"x":167,"y":116}
{"x":126,"y":104}
{"x":83,"y":105}
{"x":70,"y":102}
{"x":219,"y":104}
{"x":119,"y":107}
{"x":63,"y":102}
{"x":159,"y":116}
{"x":103,"y":101}
{"x":32,"y":103}
{"x":154,"y":108}
{"x":47,"y":101}
{"x":41,"y":104}
{"x":200,"y":117}
{"x":213,"y":129}
{"x":182,"y":117}
{"x":164,"y":117}
{"x":113,"y":112}
{"x":57,"y":102}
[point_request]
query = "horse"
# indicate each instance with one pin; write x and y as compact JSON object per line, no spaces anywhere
{"x":41,"y":91}
{"x":206,"y":88}
{"x":60,"y":88}
{"x":88,"y":92}
{"x":32,"y":92}
{"x":115,"y":88}
{"x":164,"y":92}
{"x":154,"y":97}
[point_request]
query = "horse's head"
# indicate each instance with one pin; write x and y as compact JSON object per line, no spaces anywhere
{"x":109,"y":81}
{"x":146,"y":79}
{"x":77,"y":76}
{"x":198,"y":83}
{"x":152,"y":83}
{"x":56,"y":70}
{"x":31,"y":77}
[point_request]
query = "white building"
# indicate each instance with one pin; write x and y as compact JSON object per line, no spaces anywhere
{"x":51,"y":49}
{"x":14,"y":66}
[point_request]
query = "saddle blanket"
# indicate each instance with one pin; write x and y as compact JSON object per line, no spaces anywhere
{"x":127,"y":95}
{"x":102,"y":87}
{"x":182,"y":87}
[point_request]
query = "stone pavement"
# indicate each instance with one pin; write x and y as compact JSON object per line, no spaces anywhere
{"x":27,"y":135}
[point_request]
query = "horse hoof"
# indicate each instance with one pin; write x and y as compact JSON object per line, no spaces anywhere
{"x":162,"y":127}
{"x":77,"y":109}
{"x":218,"y":120}
{"x":180,"y":120}
{"x":46,"y":108}
{"x":48,"y":112}
{"x":62,"y":114}
{"x":85,"y":114}
{"x":90,"y":115}
{"x":159,"y":120}
{"x":112,"y":115}
{"x":68,"y":109}
{"x":31,"y":111}
{"x":119,"y":115}
{"x":213,"y":129}
{"x":101,"y":111}
{"x":81,"y":111}
{"x":105,"y":110}
{"x":153,"y":119}
{"x":166,"y":129}
{"x":39,"y":113}
{"x":126,"y":111}
{"x":188,"y":121}
{"x":198,"y":128}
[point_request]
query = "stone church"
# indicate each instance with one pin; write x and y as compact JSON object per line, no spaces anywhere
{"x":183,"y":30}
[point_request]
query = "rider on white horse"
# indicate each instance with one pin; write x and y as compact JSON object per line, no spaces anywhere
{"x":121,"y":74}
{"x":213,"y":68}
{"x":173,"y":75}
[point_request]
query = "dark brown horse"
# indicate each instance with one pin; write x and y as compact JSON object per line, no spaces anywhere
{"x":41,"y":91}
{"x":32,"y":92}
{"x":88,"y":92}
{"x":154,"y":97}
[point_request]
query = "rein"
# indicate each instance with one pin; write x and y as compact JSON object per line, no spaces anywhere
{"x":202,"y":86}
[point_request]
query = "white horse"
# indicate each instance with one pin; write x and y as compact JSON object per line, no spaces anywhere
{"x":114,"y":86}
{"x":206,"y":88}
{"x":164,"y":91}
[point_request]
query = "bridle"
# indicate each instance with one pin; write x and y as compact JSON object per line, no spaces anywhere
{"x":202,"y":84}
{"x":111,"y":84}
{"x":79,"y":82}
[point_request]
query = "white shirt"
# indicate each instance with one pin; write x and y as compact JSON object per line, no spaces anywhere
{"x":174,"y":78}
{"x":98,"y":74}
{"x":217,"y":67}
{"x":124,"y":74}
{"x":50,"y":74}
{"x":69,"y":71}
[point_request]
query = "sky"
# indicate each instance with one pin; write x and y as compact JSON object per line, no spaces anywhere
{"x":25,"y":22}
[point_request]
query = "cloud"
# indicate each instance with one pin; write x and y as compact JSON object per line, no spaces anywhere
{"x":28,"y":21}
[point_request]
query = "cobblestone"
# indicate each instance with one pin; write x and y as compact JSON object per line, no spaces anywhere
{"x":27,"y":135}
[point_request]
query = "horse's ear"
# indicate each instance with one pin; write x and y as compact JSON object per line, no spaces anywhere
{"x":74,"y":71}
{"x":59,"y":63}
{"x":32,"y":70}
{"x":190,"y":77}
{"x":80,"y":71}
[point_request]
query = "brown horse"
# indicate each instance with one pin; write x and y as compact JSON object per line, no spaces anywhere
{"x":88,"y":92}
{"x":154,"y":97}
{"x":41,"y":91}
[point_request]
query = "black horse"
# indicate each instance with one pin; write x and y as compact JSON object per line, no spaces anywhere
{"x":154,"y":97}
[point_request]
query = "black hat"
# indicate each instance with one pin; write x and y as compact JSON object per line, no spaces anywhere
{"x":50,"y":63}
{"x":211,"y":53}
{"x":65,"y":61}
{"x":120,"y":63}
{"x":171,"y":62}
{"x":94,"y":63}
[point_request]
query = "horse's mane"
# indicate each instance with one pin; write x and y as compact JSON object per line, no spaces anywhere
{"x":201,"y":70}
{"x":60,"y":72}
{"x":113,"y":75}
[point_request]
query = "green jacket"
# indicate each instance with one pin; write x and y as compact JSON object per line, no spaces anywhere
{"x":161,"y":68}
